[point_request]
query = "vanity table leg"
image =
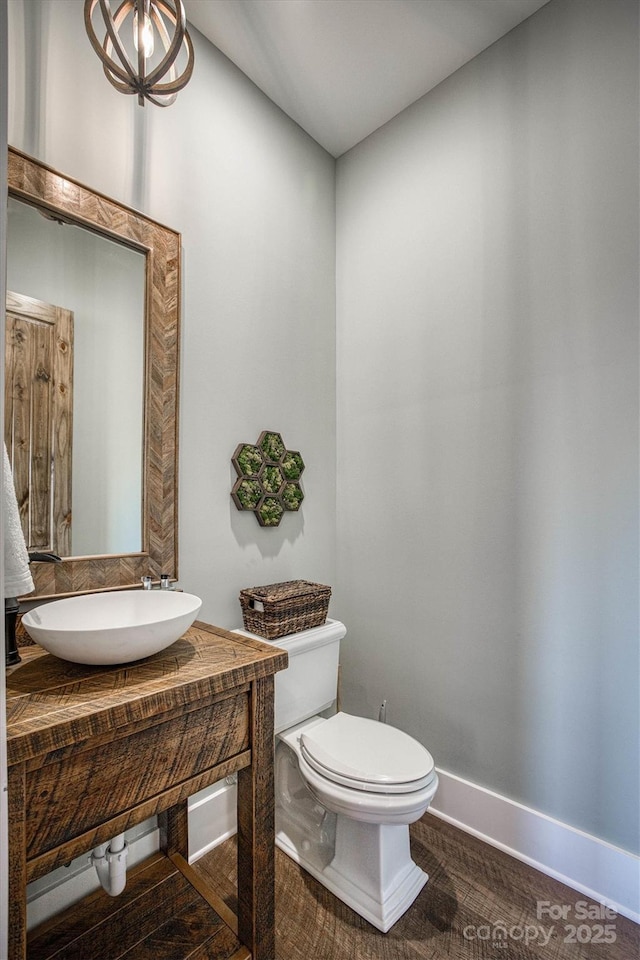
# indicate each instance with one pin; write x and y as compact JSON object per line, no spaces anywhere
{"x":17,"y":863}
{"x":256,"y":830}
{"x":174,"y":830}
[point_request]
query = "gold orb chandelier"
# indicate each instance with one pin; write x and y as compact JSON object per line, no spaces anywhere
{"x":132,"y":59}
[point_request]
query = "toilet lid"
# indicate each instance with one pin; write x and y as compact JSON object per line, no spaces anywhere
{"x":367,"y":755}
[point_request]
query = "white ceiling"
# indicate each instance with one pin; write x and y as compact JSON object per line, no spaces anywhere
{"x":342,"y":68}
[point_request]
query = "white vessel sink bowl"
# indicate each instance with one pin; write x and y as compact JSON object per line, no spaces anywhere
{"x":118,"y":627}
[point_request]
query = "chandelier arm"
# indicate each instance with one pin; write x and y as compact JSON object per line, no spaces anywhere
{"x":169,"y":89}
{"x":173,"y":86}
{"x":159,"y":103}
{"x":143,"y":10}
{"x":173,"y":49}
{"x":127,"y":75}
{"x":139,"y":8}
{"x":118,"y":84}
{"x":113,"y":24}
{"x":89,"y":7}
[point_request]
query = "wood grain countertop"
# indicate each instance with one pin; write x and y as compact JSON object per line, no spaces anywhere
{"x":52,"y":703}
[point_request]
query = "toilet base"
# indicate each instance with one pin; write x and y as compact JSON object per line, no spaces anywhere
{"x":370,"y":868}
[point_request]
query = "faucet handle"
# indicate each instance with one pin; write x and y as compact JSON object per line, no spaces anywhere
{"x":38,"y":557}
{"x":146,"y":583}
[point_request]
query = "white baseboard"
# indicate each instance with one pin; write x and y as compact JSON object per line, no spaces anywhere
{"x":212,"y":818}
{"x":591,"y":866}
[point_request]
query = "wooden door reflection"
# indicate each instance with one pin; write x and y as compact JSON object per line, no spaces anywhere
{"x":39,"y":419}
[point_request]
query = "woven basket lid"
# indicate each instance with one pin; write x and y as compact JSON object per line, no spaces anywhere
{"x":286,"y":590}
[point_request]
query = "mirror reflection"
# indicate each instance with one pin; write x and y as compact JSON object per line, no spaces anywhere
{"x":74,"y":389}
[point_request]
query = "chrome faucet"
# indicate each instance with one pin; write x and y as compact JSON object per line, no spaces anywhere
{"x":165,"y":582}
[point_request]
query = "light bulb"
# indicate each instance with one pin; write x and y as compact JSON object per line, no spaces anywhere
{"x":147,"y":34}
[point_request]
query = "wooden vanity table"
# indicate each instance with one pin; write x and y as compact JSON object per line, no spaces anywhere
{"x":94,"y":750}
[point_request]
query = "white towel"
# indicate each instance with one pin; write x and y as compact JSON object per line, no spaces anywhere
{"x":17,"y":576}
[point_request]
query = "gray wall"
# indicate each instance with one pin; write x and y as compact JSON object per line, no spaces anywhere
{"x":253,"y":197}
{"x":488,"y":418}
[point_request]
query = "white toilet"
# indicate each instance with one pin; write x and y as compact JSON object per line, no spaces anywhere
{"x":347,"y":788}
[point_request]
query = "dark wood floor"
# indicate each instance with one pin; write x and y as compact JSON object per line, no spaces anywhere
{"x":479,"y":904}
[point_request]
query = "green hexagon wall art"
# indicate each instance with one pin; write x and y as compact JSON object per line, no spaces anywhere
{"x":268,"y":478}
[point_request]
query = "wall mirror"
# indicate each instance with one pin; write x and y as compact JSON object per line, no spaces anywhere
{"x":91,"y":384}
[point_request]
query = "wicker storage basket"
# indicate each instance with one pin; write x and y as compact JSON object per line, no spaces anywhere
{"x":278,"y":609}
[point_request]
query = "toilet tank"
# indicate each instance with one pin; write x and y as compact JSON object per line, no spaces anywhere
{"x":310,"y":682}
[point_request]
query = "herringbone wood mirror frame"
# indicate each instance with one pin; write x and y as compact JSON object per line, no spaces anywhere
{"x":37,"y":184}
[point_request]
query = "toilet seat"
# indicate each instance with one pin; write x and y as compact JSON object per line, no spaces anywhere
{"x":367,"y":805}
{"x":365,"y":755}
